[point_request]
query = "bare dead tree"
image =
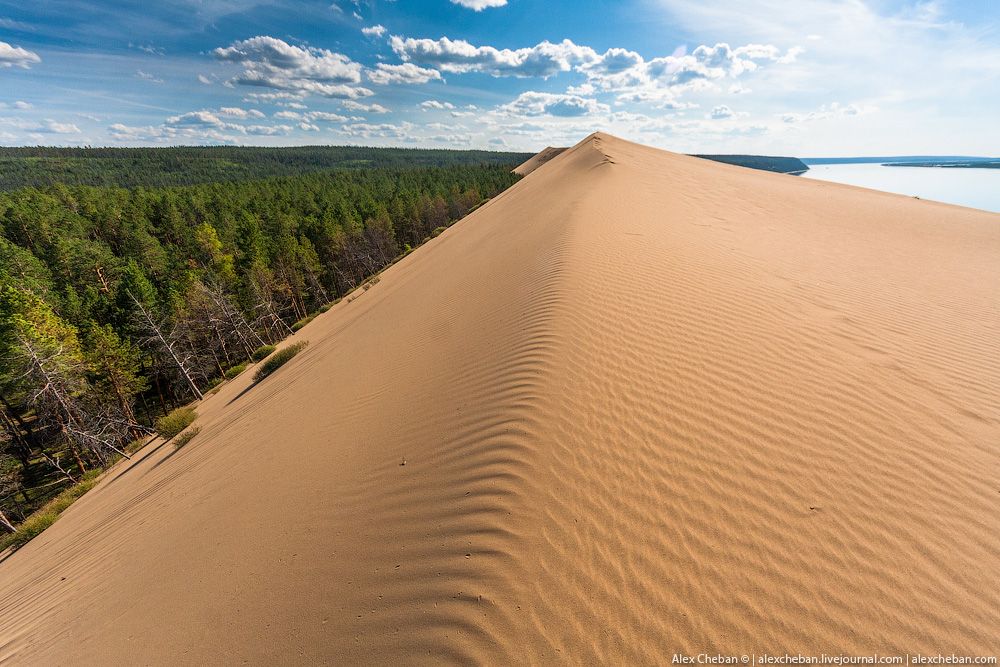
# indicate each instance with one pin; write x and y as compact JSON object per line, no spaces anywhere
{"x":53,"y":460}
{"x":10,"y":483}
{"x":59,"y":395}
{"x":229,"y":319}
{"x":167,"y":342}
{"x":267,"y":311}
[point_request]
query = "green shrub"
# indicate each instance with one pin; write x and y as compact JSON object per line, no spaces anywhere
{"x":262,"y":352}
{"x":325,"y":307}
{"x":47,"y":515}
{"x":186,"y":437}
{"x":437,"y":231}
{"x":175,"y":422}
{"x":213,"y":383}
{"x":277,"y":360}
{"x":136,"y":445}
{"x":235,"y":370}
{"x":31,"y":528}
{"x":301,"y":323}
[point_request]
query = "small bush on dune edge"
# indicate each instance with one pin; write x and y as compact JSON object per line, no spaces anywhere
{"x":31,"y":528}
{"x":235,"y":370}
{"x":175,"y":422}
{"x":301,"y":323}
{"x":48,"y":514}
{"x":186,"y":437}
{"x":277,"y":360}
{"x":261,"y":352}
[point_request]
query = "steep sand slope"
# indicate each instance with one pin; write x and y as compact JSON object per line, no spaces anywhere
{"x":647,"y":403}
{"x":537,"y":160}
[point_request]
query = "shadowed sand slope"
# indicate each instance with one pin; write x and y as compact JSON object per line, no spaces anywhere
{"x":646,"y":403}
{"x":537,"y":160}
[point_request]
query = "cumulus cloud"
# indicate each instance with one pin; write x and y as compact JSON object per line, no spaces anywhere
{"x":15,"y":56}
{"x":49,"y":126}
{"x":351,"y":105}
{"x":378,"y":130}
{"x":272,"y":63}
{"x":311,"y":116}
{"x":374,"y":31}
{"x":721,"y":112}
{"x":405,"y":73}
{"x":479,"y":5}
{"x":198,"y":127}
{"x":237,"y":112}
{"x":326,"y":116}
{"x":19,"y":105}
{"x":533,"y":103}
{"x":825,"y":112}
{"x":434,"y":104}
{"x":542,"y":60}
{"x":657,"y":81}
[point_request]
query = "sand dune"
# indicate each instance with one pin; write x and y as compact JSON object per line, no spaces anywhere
{"x":646,"y":403}
{"x":537,"y":160}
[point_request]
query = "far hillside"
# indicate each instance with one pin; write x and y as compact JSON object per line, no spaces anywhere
{"x":782,"y":165}
{"x":191,"y":165}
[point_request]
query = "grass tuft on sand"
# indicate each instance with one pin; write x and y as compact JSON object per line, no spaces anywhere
{"x":47,"y":515}
{"x":170,"y":425}
{"x":277,"y":360}
{"x":262,"y":352}
{"x":186,"y":437}
{"x":235,"y":370}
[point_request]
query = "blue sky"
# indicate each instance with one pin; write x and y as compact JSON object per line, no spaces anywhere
{"x":806,"y":77}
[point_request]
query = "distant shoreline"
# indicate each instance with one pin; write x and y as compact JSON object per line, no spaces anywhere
{"x":985,"y":164}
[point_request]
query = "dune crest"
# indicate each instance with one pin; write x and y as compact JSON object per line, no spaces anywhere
{"x":537,"y":160}
{"x":638,"y":404}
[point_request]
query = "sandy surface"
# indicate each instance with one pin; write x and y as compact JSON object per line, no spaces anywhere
{"x":537,"y":160}
{"x":647,"y":403}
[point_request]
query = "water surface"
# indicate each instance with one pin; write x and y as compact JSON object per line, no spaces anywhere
{"x":976,"y":188}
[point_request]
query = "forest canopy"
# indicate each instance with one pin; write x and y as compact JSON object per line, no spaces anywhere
{"x":118,"y":305}
{"x":189,"y":165}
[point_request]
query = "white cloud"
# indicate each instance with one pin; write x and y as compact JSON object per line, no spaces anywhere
{"x":791,"y":55}
{"x":721,"y":112}
{"x":19,"y":105}
{"x":657,"y":81}
{"x":204,"y":79}
{"x":374,"y":31}
{"x":237,"y":112}
{"x":826,"y":112}
{"x":267,"y":130}
{"x":146,"y":76}
{"x":272,"y":63}
{"x":479,"y":5}
{"x":15,"y":56}
{"x":405,"y":73}
{"x":542,"y":60}
{"x":196,"y":118}
{"x":49,"y":126}
{"x":434,"y":104}
{"x":351,"y":105}
{"x":326,"y":116}
{"x":533,"y":103}
{"x":379,"y":130}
